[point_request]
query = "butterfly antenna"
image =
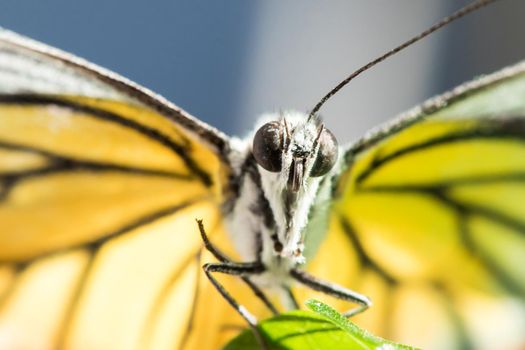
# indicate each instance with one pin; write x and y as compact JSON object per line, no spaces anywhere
{"x":456,"y":15}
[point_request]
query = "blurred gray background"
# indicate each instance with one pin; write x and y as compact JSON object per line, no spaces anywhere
{"x":228,"y":61}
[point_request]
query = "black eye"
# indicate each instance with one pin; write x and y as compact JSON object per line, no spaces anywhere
{"x":327,"y":154}
{"x":268,"y":146}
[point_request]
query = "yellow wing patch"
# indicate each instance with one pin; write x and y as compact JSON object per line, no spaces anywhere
{"x":17,"y":160}
{"x":44,"y":288}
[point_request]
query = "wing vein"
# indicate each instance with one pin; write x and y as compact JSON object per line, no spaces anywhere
{"x":511,"y":129}
{"x":183,"y":152}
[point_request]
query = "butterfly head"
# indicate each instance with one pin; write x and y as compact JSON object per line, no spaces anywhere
{"x":295,"y":153}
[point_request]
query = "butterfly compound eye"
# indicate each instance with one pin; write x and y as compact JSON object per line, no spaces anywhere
{"x":268,"y":146}
{"x":327,"y":154}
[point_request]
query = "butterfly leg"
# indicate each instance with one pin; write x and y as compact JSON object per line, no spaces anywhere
{"x":290,"y":298}
{"x":219,"y":255}
{"x":260,"y":294}
{"x":332,"y":289}
{"x":236,"y":269}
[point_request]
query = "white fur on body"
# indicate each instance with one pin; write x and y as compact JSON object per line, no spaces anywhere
{"x":244,"y":224}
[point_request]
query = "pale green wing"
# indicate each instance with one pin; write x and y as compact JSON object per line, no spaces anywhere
{"x":429,"y":220}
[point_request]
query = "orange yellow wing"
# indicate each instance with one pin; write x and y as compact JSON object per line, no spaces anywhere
{"x":100,"y":185}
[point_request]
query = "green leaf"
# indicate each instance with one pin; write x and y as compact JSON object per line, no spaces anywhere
{"x":362,"y":338}
{"x":324,"y":328}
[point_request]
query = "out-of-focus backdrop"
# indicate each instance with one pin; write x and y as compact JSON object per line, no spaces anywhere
{"x":228,"y":61}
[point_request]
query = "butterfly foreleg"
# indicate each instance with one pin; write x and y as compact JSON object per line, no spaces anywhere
{"x":260,"y":294}
{"x":292,"y":301}
{"x":219,"y":255}
{"x":243,"y":270}
{"x":236,"y":269}
{"x":332,"y":289}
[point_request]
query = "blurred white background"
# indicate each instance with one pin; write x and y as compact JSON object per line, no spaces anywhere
{"x":228,"y":61}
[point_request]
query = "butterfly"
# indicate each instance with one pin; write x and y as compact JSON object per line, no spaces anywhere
{"x":101,"y":181}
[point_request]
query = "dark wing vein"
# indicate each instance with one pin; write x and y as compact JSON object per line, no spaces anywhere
{"x":92,"y":250}
{"x":131,"y":225}
{"x":464,"y":212}
{"x":367,"y":262}
{"x":509,"y":129}
{"x":164,"y":294}
{"x":72,"y":304}
{"x":61,"y":164}
{"x":18,"y":271}
{"x":182,"y":151}
{"x":361,"y":253}
{"x":464,"y":340}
